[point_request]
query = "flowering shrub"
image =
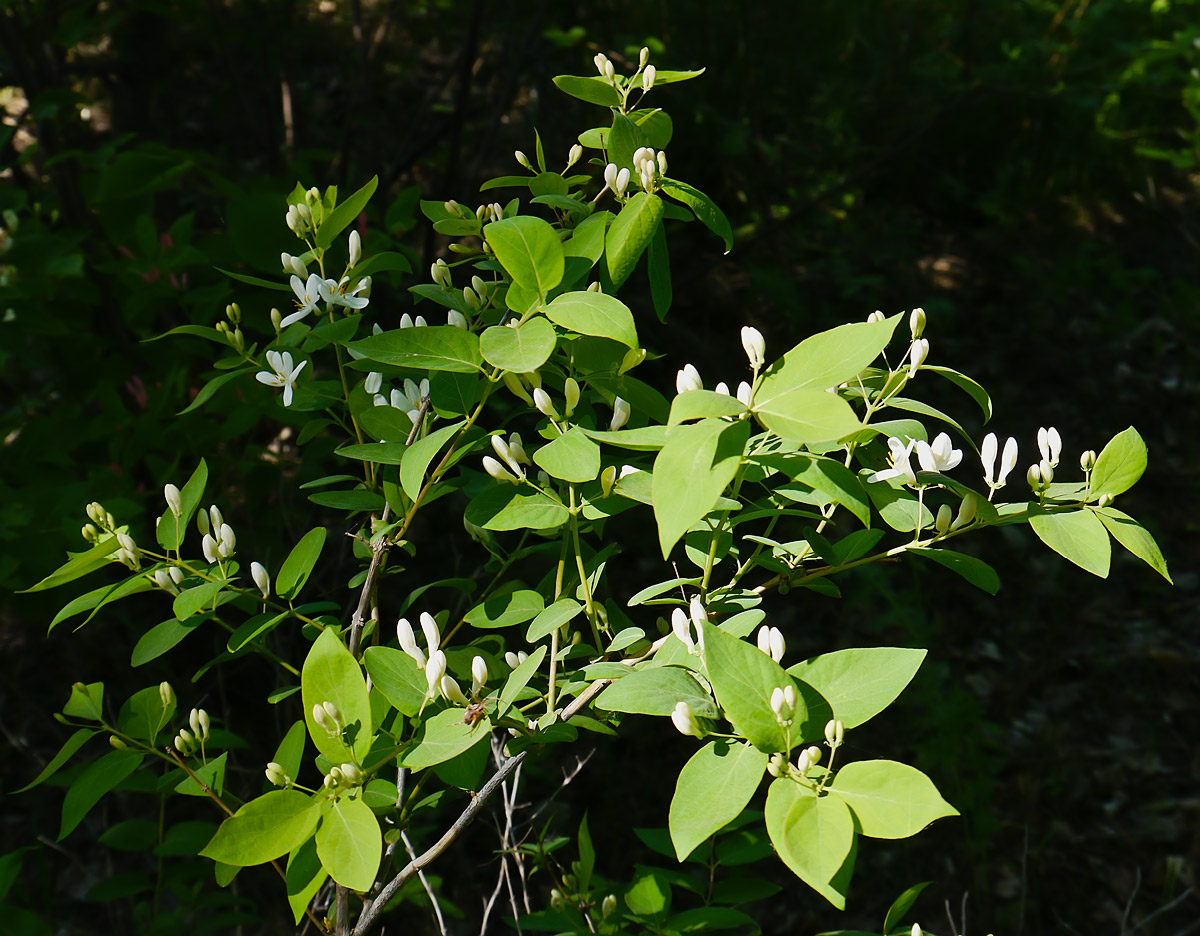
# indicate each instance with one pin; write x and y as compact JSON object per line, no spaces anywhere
{"x":524,"y":411}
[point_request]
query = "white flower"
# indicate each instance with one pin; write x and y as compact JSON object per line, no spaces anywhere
{"x":917,"y":355}
{"x":226,"y":541}
{"x":308,"y":294}
{"x":570,"y":395}
{"x":258,"y":572}
{"x":745,"y":393}
{"x":987,"y":455}
{"x":284,"y":373}
{"x":620,"y":416}
{"x":899,"y":462}
{"x":688,"y":379}
{"x":408,"y":642}
{"x":683,"y":719}
{"x":162,"y":578}
{"x":1050,"y":445}
{"x":755,"y":346}
{"x":939,"y":456}
{"x":334,"y":294}
{"x":407,"y":321}
{"x":697,"y":612}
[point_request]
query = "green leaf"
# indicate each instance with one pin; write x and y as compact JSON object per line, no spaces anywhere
{"x":143,"y":715}
{"x":299,"y":564}
{"x":503,"y":507}
{"x":99,"y":778}
{"x":264,"y":829}
{"x":304,"y":877}
{"x":701,"y":404}
{"x":78,"y":565}
{"x":388,"y":261}
{"x":65,"y":753}
{"x":656,"y":691}
{"x":516,"y":607}
{"x":340,"y":218}
{"x":972,"y":389}
{"x":548,"y":183}
{"x":814,"y":837}
{"x":854,"y":685}
{"x":171,"y":530}
{"x":518,"y":679}
{"x":522,"y":349}
{"x":658,"y":268}
{"x":419,"y":455}
{"x":349,"y":843}
{"x":331,"y":674}
{"x":649,"y":894}
{"x":713,"y":788}
{"x":587,"y":239}
{"x":599,"y":314}
{"x":827,"y":475}
{"x":668,"y":76}
{"x":86,"y":701}
{"x":691,"y":473}
{"x":431,"y":347}
{"x":254,"y":628}
{"x":357,"y":499}
{"x":444,"y":736}
{"x":593,"y":89}
{"x":705,"y":208}
{"x":394,"y":673}
{"x":743,"y":678}
{"x":552,"y":618}
{"x":508,"y":181}
{"x":382,"y":453}
{"x":889,"y":799}
{"x":622,"y":140}
{"x":1119,"y":466}
{"x":100,"y":596}
{"x":975,"y":571}
{"x":290,"y":753}
{"x":1076,"y":535}
{"x":901,"y":905}
{"x":630,"y":234}
{"x":212,"y":387}
{"x":210,"y":776}
{"x":193,"y":600}
{"x":1134,"y":537}
{"x":529,"y":250}
{"x":250,"y":281}
{"x":829,"y":358}
{"x":571,"y":457}
{"x":802,"y":415}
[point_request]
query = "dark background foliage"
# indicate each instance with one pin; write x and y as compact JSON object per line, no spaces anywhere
{"x":1027,"y":172}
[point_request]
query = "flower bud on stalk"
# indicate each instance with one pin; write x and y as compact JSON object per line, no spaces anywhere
{"x":648,"y":77}
{"x":917,"y":356}
{"x":523,"y":160}
{"x":643,"y":57}
{"x":621,"y":414}
{"x":258,"y":572}
{"x":916,"y":322}
{"x":174,"y":500}
{"x":942,"y":522}
{"x":755,"y":346}
{"x":685,"y":720}
{"x":1087,"y":461}
{"x":541,"y":399}
{"x":166,"y":694}
{"x":451,"y":690}
{"x":435,"y":669}
{"x":575,"y":154}
{"x":355,"y":249}
{"x":608,"y":477}
{"x":479,"y":674}
{"x":570,"y":395}
{"x":117,"y":743}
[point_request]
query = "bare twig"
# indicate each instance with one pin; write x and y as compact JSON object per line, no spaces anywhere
{"x":437,"y":908}
{"x":370,"y":914}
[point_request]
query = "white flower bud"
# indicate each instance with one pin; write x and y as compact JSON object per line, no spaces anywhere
{"x":166,"y":694}
{"x":777,"y":765}
{"x":355,"y":249}
{"x":227,"y":541}
{"x":697,"y":612}
{"x":1050,"y":445}
{"x":208,"y":546}
{"x":1106,"y":499}
{"x":594,"y":287}
{"x":541,"y":399}
{"x":373,"y":382}
{"x":688,"y":379}
{"x":621,"y":414}
{"x":601,"y":61}
{"x":685,"y":720}
{"x":498,"y":471}
{"x":966,"y":513}
{"x":682,"y":628}
{"x":162,"y":579}
{"x":648,"y":77}
{"x":622,"y":182}
{"x":435,"y":669}
{"x":322,"y":719}
{"x":479,"y":674}
{"x":875,"y":316}
{"x":430,"y":629}
{"x":351,"y":774}
{"x":916,"y":322}
{"x":1034,"y":478}
{"x":258,"y":572}
{"x":523,"y":160}
{"x":177,"y":575}
{"x":1087,"y":460}
{"x":722,"y":388}
{"x":941,"y":523}
{"x":174,"y":500}
{"x":662,"y":163}
{"x":570,"y":395}
{"x":451,"y":691}
{"x":607,"y":478}
{"x":408,"y":642}
{"x":917,"y":356}
{"x":574,"y":155}
{"x":745,"y":393}
{"x":643,"y":57}
{"x":127,"y":543}
{"x":755,"y":346}
{"x":457,"y":319}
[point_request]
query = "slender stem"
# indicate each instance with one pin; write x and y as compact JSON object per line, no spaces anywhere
{"x":588,"y":602}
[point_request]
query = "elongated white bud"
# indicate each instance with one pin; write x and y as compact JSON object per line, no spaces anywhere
{"x":227,"y":542}
{"x":541,"y":399}
{"x":523,"y":160}
{"x":408,"y":642}
{"x":174,"y":500}
{"x":622,"y":182}
{"x":621,"y":413}
{"x":258,"y":572}
{"x":498,"y":471}
{"x":685,"y":720}
{"x":754,"y":345}
{"x":430,"y":629}
{"x":608,"y":477}
{"x":696,"y":611}
{"x":166,"y":695}
{"x":479,"y":674}
{"x":574,"y":155}
{"x":457,"y":319}
{"x":570,"y":395}
{"x":1050,"y":445}
{"x":208,"y":546}
{"x":516,"y":449}
{"x":648,"y":77}
{"x":916,"y":322}
{"x":917,"y":356}
{"x":435,"y":669}
{"x":941,"y":523}
{"x":516,"y":388}
{"x":688,"y":378}
{"x":355,"y":249}
{"x":745,"y":393}
{"x":722,"y":388}
{"x":643,"y":57}
{"x":451,"y":691}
